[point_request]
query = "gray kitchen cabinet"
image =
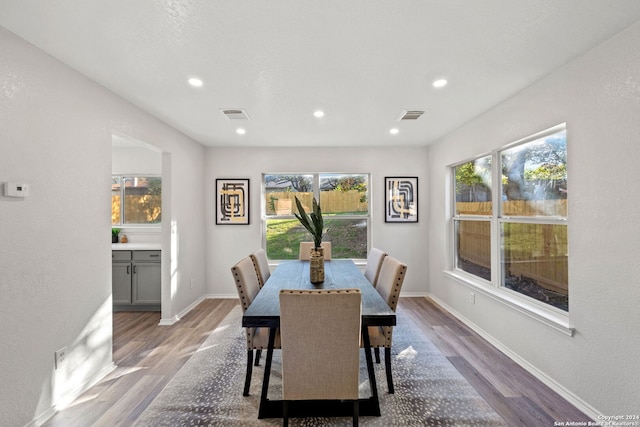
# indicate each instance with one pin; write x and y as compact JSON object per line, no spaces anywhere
{"x":136,"y":282}
{"x":121,"y":277}
{"x":146,"y":277}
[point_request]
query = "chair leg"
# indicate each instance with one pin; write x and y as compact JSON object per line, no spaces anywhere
{"x":285,"y":413}
{"x":258,"y":354}
{"x":247,"y":380}
{"x":356,"y":410}
{"x":376,"y":352}
{"x":387,"y":366}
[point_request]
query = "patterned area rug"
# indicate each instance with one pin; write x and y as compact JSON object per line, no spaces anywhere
{"x":207,"y":391}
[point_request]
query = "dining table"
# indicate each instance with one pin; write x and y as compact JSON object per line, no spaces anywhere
{"x":264,"y":312}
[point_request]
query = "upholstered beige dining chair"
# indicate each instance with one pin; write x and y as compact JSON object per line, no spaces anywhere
{"x":320,"y":332}
{"x":390,"y":281}
{"x":305,"y":250}
{"x":261,"y":265}
{"x":374,"y":262}
{"x":248,"y":286}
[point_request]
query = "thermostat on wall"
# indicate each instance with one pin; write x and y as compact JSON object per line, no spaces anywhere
{"x":14,"y":189}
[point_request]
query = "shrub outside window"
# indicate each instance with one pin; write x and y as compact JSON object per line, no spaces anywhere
{"x":136,"y":200}
{"x":344,"y":201}
{"x":529,"y":255}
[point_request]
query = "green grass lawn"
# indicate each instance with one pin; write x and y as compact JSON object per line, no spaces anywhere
{"x":348,"y":238}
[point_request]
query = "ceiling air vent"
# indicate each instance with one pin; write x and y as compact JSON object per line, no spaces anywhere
{"x":410,"y":115}
{"x":236,"y":114}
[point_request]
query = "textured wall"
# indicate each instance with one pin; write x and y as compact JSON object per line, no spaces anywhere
{"x":55,"y":261}
{"x":598,"y":96}
{"x":226,"y":245}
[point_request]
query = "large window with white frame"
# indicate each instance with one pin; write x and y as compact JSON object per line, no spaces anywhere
{"x":343,"y":198}
{"x":510,"y":219}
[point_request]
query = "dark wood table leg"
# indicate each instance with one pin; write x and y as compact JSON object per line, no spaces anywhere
{"x":372,"y":375}
{"x":267,"y":372}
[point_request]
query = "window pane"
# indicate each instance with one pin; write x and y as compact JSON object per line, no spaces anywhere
{"x":348,"y":237}
{"x":142,"y":200}
{"x":284,"y":237}
{"x":344,"y":194}
{"x":115,"y":200}
{"x":280,"y":191}
{"x":473,"y":247}
{"x":534,"y":177}
{"x":473,"y":187}
{"x":535,"y":262}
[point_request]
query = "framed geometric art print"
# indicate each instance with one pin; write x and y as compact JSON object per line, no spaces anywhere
{"x":232,"y":201}
{"x":401,"y":199}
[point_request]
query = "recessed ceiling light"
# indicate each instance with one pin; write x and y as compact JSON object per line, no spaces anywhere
{"x":240,"y":131}
{"x":318,"y":113}
{"x":195,"y":82}
{"x":440,"y":83}
{"x":394,"y":131}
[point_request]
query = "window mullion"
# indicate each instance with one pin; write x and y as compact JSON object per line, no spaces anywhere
{"x":496,"y":238}
{"x":316,"y":186}
{"x":122,"y":185}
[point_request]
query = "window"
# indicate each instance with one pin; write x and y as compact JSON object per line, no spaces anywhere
{"x":136,"y":200}
{"x":472,"y":220}
{"x":516,"y":238}
{"x":344,"y":202}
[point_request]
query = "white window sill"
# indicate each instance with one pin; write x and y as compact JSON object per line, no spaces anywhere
{"x":547,"y":316}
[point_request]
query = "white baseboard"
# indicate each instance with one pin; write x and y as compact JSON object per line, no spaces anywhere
{"x":568,"y":395}
{"x":177,"y":317}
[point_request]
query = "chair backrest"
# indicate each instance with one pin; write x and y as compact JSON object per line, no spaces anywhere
{"x":305,"y":250}
{"x":390,"y":280}
{"x":374,"y":262}
{"x":261,"y":265}
{"x":320,"y":339}
{"x":247,"y":284}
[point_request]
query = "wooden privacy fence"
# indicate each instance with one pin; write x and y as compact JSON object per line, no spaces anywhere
{"x":139,"y":209}
{"x":553,"y":207}
{"x":283,"y":203}
{"x":536,"y":251}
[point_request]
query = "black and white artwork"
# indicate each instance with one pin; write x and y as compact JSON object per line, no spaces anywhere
{"x":232,"y":201}
{"x":401,"y":199}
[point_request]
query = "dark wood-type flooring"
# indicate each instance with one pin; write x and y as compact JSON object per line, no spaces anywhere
{"x":148,"y":356}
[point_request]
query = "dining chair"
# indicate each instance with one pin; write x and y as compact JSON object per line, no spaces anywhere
{"x":390,"y":281}
{"x":248,"y":286}
{"x":305,"y":250}
{"x":374,"y":262}
{"x":320,"y":336}
{"x":261,"y":265}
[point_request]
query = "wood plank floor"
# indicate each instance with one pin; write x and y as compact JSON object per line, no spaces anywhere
{"x":148,"y":356}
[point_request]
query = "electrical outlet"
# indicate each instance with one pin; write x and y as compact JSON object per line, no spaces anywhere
{"x":61,"y":357}
{"x":192,"y":283}
{"x":472,"y":298}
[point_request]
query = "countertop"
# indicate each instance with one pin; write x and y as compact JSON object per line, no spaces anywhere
{"x":136,"y":246}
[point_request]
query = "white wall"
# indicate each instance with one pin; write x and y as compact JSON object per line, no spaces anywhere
{"x":227,"y":244}
{"x":598,"y":95}
{"x":139,"y":160}
{"x":55,"y":275}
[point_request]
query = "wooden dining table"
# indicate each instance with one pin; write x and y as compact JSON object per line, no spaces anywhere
{"x":264,"y":312}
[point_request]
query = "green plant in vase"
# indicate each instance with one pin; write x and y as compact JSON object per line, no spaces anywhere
{"x":312,"y":222}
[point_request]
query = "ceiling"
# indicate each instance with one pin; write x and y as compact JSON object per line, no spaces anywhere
{"x":362,"y":62}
